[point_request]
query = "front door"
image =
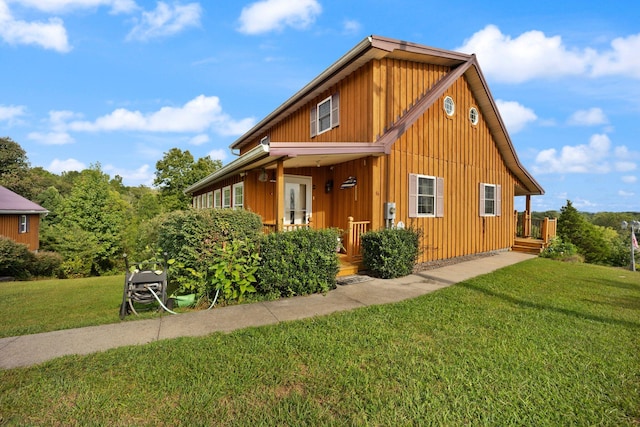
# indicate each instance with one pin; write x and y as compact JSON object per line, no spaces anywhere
{"x":297,"y":199}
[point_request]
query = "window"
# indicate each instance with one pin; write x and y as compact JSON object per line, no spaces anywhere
{"x":238,"y":195}
{"x":325,"y":115}
{"x":449,"y":106}
{"x":490,"y":199}
{"x":226,"y":197}
{"x":426,"y":196}
{"x":210,"y":199}
{"x":473,"y":116}
{"x":23,"y":224}
{"x":217,"y":194}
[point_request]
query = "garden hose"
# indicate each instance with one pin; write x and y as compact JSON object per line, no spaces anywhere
{"x":160,"y":301}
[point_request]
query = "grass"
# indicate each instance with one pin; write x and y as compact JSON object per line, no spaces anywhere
{"x":538,"y":343}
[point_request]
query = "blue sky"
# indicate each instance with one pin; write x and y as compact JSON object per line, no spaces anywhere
{"x":120,"y":82}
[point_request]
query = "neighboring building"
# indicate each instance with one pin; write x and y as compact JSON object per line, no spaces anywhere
{"x":20,"y":219}
{"x":393,"y":132}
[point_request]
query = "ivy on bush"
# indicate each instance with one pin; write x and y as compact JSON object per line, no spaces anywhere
{"x":390,"y":252}
{"x":298,"y":262}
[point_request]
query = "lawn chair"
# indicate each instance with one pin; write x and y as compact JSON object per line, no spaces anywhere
{"x":144,"y":283}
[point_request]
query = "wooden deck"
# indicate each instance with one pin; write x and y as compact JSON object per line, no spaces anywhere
{"x":528,"y":245}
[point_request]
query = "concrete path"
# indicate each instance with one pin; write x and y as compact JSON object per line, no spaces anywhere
{"x":29,"y":350}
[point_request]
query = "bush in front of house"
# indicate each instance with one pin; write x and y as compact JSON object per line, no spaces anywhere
{"x":298,"y":262}
{"x":15,"y":259}
{"x":391,"y":252}
{"x":190,"y":238}
{"x":559,"y":249}
{"x":46,"y":264}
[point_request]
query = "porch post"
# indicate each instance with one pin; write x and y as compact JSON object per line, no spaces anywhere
{"x":280,"y":195}
{"x":527,"y":217}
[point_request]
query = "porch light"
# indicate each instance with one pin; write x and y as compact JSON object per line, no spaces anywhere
{"x":635,"y":225}
{"x":349,"y":183}
{"x":263,"y":176}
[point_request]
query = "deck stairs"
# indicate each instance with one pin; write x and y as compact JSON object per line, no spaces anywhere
{"x":528,"y":245}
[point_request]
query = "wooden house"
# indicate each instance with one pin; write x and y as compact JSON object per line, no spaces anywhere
{"x":392,"y":134}
{"x":20,"y":219}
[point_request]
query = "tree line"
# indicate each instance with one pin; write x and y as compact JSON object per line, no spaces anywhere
{"x":93,"y":218}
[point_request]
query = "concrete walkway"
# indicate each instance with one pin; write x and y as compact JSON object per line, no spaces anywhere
{"x":29,"y":350}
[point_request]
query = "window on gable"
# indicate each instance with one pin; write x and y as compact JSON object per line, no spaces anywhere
{"x":426,"y":196}
{"x":325,"y":115}
{"x":226,"y":197}
{"x":23,"y":224}
{"x":490,"y":199}
{"x":449,"y":106}
{"x":238,"y":195}
{"x":217,"y":194}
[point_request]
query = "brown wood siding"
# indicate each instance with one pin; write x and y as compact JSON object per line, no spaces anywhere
{"x":9,"y":228}
{"x":464,"y":155}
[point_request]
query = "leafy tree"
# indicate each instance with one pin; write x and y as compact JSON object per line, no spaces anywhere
{"x":14,"y":167}
{"x":176,"y":171}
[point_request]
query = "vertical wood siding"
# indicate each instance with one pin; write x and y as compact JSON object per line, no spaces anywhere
{"x":9,"y":228}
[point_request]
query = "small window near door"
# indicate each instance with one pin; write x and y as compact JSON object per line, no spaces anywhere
{"x":426,"y":196}
{"x":490,"y":199}
{"x":238,"y":195}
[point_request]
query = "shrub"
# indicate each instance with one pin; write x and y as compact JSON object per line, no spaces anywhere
{"x":233,"y":271}
{"x":46,"y":264}
{"x":559,"y":249}
{"x":15,"y":258}
{"x":298,"y":262}
{"x":390,"y":252}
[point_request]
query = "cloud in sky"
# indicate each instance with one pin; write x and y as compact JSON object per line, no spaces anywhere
{"x":11,"y":113}
{"x":48,"y":35}
{"x":62,"y":6}
{"x":198,"y":115}
{"x":218,"y":154}
{"x":143,"y":174}
{"x":58,"y":166}
{"x":269,"y":15}
{"x":515,"y":115}
{"x":590,"y":117}
{"x":166,"y":20}
{"x":629,"y":179}
{"x":533,"y":55}
{"x":594,"y":157}
{"x":51,"y":138}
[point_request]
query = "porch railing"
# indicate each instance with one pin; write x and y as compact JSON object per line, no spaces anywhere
{"x":355,"y":229}
{"x":543,"y":229}
{"x":271,"y":227}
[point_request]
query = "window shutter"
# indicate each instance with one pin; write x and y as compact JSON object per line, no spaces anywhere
{"x":482,"y":212}
{"x":413,"y":195}
{"x":439,"y":197}
{"x":335,"y":110}
{"x":313,"y":119}
{"x":498,"y":200}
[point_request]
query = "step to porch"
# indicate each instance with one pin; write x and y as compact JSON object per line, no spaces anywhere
{"x":528,"y":246}
{"x":348,"y":268}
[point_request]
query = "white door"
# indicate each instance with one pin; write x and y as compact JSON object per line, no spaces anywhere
{"x":297,"y":199}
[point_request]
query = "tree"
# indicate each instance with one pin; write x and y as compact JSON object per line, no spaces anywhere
{"x":176,"y":171}
{"x":14,"y":167}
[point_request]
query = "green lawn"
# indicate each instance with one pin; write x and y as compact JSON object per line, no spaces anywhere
{"x":538,"y":343}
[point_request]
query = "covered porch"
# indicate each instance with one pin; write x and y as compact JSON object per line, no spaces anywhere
{"x":532,"y":234}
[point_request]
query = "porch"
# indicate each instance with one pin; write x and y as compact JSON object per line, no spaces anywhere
{"x":533,"y":234}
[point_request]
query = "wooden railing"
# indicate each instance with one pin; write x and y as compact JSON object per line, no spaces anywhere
{"x":354,"y":230}
{"x":543,"y":229}
{"x":269,"y":227}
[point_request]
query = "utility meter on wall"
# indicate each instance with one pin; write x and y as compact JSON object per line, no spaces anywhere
{"x":390,"y":211}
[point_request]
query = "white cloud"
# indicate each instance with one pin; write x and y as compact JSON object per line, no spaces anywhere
{"x":591,"y":158}
{"x":58,"y":166}
{"x":198,"y":115}
{"x":269,"y":15}
{"x":622,"y":59}
{"x":629,"y":179}
{"x":515,"y":115}
{"x":533,"y":55}
{"x":143,"y":175}
{"x":625,"y":166}
{"x":625,"y":193}
{"x":166,"y":20}
{"x":351,"y":26}
{"x":218,"y":154}
{"x":199,"y":139}
{"x":62,"y":6}
{"x":590,"y":117}
{"x":11,"y":113}
{"x":48,"y":35}
{"x":51,"y":138}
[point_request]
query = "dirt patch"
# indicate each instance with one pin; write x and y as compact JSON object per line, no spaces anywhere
{"x":432,"y":265}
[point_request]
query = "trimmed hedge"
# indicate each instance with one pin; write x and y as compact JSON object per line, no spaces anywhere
{"x":15,"y":259}
{"x":390,"y":252}
{"x":298,"y":262}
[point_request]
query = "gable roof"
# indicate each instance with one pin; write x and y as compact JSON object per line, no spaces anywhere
{"x":375,"y":47}
{"x":12,"y":203}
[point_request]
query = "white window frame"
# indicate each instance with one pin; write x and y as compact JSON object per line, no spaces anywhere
{"x":210,"y":199}
{"x":217,"y":198}
{"x":495,"y":204}
{"x":226,"y":197}
{"x":474,"y":116}
{"x":415,"y":195}
{"x":448,"y":101}
{"x":238,"y":187}
{"x":334,"y":115}
{"x":23,"y":224}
